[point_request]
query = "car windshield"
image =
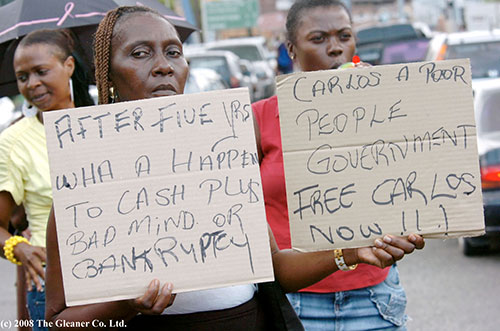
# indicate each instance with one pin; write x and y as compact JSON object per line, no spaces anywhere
{"x":386,"y":33}
{"x":216,"y":63}
{"x":247,"y":52}
{"x":405,"y":51}
{"x":199,"y":82}
{"x":483,"y":57}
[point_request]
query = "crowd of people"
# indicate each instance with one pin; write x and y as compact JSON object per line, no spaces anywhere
{"x":362,"y":294}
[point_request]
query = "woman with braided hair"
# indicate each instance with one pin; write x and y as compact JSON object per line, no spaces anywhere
{"x":49,"y":78}
{"x":134,"y":62}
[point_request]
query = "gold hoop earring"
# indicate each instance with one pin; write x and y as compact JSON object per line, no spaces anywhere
{"x":112,"y":95}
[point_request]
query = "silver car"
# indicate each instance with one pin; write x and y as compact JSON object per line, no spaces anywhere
{"x":229,"y":66}
{"x":202,"y":80}
{"x":254,"y":50}
{"x":481,"y":47}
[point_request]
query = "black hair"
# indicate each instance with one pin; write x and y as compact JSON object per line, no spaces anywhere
{"x":64,"y":41}
{"x":294,"y":14}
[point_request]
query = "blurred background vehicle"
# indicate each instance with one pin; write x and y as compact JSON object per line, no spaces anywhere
{"x":235,"y":71}
{"x":486,"y":110}
{"x":203,"y":80}
{"x":254,"y":50}
{"x":394,"y":43}
{"x":7,"y":112}
{"x":404,"y":51}
{"x":481,"y":47}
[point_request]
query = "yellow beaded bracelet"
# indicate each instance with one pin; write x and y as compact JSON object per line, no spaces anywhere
{"x":8,"y":248}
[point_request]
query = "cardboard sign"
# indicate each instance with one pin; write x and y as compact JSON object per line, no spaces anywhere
{"x":380,"y":150}
{"x":165,"y":188}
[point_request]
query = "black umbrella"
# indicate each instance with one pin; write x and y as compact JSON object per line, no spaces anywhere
{"x":20,"y":17}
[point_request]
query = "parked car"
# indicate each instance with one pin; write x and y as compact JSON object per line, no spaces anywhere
{"x":487,"y":115}
{"x":254,"y":50}
{"x":202,"y":80}
{"x":481,"y":47}
{"x":229,"y":66}
{"x":395,"y":43}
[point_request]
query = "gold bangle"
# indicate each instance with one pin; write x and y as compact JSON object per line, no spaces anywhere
{"x":10,"y":244}
{"x":339,"y":261}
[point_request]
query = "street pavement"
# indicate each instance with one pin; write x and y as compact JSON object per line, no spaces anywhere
{"x":449,"y":291}
{"x":446,"y":290}
{"x":8,"y":309}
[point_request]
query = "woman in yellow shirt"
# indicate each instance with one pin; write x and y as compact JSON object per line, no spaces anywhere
{"x":46,"y":73}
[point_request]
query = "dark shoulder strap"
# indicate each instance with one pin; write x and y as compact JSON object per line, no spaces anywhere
{"x":278,"y":309}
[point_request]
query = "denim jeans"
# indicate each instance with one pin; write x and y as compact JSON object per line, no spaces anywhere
{"x":36,"y":308}
{"x":379,"y":307}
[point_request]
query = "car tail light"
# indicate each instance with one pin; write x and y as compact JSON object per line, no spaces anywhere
{"x":490,"y":177}
{"x":442,"y":52}
{"x":235,"y":82}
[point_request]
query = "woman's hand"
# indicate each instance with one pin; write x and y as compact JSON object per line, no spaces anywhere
{"x":155,"y":300}
{"x":33,"y":258}
{"x":296,"y":270}
{"x":386,"y":251}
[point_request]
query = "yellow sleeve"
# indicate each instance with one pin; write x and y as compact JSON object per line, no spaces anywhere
{"x":11,"y":179}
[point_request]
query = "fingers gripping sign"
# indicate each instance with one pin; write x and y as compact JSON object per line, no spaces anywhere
{"x":155,"y":300}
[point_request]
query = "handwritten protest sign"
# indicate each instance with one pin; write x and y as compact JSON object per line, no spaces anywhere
{"x":380,"y":150}
{"x":165,"y":188}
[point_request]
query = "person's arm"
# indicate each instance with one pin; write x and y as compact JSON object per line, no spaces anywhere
{"x":7,"y":205}
{"x":31,"y":257}
{"x":18,"y":219}
{"x":296,"y":270}
{"x":154,"y":301}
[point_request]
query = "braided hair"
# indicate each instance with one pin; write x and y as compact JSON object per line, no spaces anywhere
{"x":294,"y":14}
{"x":102,"y":46}
{"x":65,"y":45}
